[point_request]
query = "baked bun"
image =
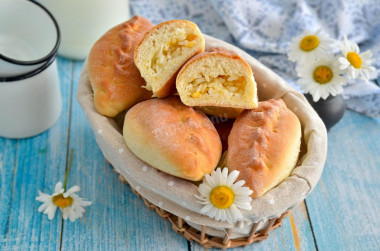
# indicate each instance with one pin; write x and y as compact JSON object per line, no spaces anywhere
{"x":217,"y":77}
{"x":264,"y":144}
{"x":222,"y":112}
{"x":114,"y":77}
{"x":164,"y":50}
{"x":173,"y":138}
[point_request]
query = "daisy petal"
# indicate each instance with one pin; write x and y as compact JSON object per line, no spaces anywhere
{"x":51,"y":211}
{"x":206,"y":208}
{"x":72,"y":190}
{"x":43,"y":207}
{"x":366,"y":55}
{"x":212,"y":212}
{"x":43,"y":197}
{"x":58,"y":188}
{"x":218,"y":215}
{"x":232,"y":177}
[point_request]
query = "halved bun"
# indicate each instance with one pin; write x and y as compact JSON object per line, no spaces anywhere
{"x":173,"y":138}
{"x":164,"y":50}
{"x":114,"y":77}
{"x":217,"y":77}
{"x":264,"y":144}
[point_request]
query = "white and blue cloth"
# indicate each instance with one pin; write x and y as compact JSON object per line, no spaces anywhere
{"x":265,"y":28}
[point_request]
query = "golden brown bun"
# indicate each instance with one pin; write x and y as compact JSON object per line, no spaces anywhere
{"x":172,"y":137}
{"x":264,"y":145}
{"x":219,"y":78}
{"x":164,"y":50}
{"x":222,"y":112}
{"x":115,"y":79}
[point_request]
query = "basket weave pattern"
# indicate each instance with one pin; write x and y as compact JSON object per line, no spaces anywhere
{"x":181,"y":227}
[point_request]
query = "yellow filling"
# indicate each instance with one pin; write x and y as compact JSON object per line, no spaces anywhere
{"x":222,"y":197}
{"x":220,"y":86}
{"x":309,"y":43}
{"x":323,"y":74}
{"x":196,"y":95}
{"x":354,"y":59}
{"x":172,"y":49}
{"x":61,"y":201}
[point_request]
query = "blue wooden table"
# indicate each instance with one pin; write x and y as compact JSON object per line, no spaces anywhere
{"x":342,"y":213}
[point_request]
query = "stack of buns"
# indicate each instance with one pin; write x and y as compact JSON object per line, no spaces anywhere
{"x":189,"y":111}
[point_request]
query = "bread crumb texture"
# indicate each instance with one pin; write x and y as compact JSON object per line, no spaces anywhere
{"x":164,"y":49}
{"x":217,"y":77}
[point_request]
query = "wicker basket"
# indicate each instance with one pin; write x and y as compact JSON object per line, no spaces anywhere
{"x":191,"y":234}
{"x":177,"y":203}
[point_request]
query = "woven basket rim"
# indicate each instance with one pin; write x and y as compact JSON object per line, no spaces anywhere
{"x":180,"y":226}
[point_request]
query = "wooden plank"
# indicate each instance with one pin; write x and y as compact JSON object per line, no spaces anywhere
{"x":345,"y":206}
{"x":117,"y":219}
{"x":294,"y":234}
{"x":29,"y":165}
{"x":7,"y":165}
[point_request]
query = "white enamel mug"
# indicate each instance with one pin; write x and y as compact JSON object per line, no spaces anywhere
{"x":30,"y":97}
{"x":29,"y":37}
{"x":31,"y":104}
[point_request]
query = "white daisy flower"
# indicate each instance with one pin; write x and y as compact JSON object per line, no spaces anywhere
{"x":309,"y":46}
{"x":70,"y":204}
{"x":222,"y":197}
{"x":356,"y":64}
{"x":321,"y":78}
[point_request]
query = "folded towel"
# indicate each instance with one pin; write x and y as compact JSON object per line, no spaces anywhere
{"x":264,"y":28}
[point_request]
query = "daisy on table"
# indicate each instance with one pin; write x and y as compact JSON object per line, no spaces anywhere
{"x":70,"y":204}
{"x":222,"y":197}
{"x":309,"y":46}
{"x":321,"y":78}
{"x":356,"y":64}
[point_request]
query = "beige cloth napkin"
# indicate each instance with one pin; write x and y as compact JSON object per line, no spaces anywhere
{"x":176,"y":195}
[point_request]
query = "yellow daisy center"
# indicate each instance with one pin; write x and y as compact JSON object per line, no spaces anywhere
{"x":354,"y":59}
{"x":222,"y":197}
{"x":323,"y":74}
{"x":309,"y":43}
{"x":61,"y":201}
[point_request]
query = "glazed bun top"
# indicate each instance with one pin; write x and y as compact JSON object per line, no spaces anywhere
{"x":264,"y":144}
{"x":172,"y":137}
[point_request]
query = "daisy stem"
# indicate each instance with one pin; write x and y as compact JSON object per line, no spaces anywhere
{"x":68,"y":169}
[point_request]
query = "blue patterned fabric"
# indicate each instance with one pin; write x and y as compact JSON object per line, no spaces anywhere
{"x":264,"y":28}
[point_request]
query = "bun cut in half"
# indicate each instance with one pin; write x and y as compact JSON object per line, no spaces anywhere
{"x":173,"y":138}
{"x":217,"y":77}
{"x":263,"y":145}
{"x":114,"y":77}
{"x":164,"y":50}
